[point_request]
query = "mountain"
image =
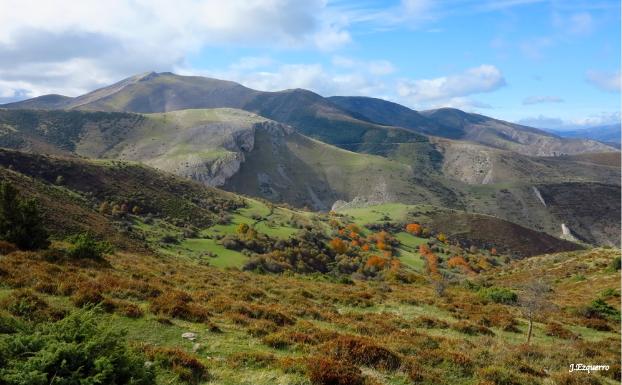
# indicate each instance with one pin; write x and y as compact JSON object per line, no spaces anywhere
{"x":358,"y":124}
{"x":297,"y":147}
{"x":246,"y":153}
{"x":308,"y":112}
{"x":456,"y":124}
{"x":236,"y":149}
{"x":608,"y":134}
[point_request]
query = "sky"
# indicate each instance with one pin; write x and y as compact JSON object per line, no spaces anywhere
{"x":546,"y":63}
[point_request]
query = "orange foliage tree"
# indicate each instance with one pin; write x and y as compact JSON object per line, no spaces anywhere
{"x":376,"y":261}
{"x":414,"y":228}
{"x":338,"y":245}
{"x":460,"y":261}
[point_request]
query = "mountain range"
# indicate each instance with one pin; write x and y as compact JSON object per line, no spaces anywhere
{"x":297,"y":147}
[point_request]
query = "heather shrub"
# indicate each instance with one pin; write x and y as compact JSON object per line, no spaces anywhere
{"x":361,"y":351}
{"x":326,"y":371}
{"x":186,"y":366}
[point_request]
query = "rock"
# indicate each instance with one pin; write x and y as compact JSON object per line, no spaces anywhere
{"x":189,"y":336}
{"x":196,"y":347}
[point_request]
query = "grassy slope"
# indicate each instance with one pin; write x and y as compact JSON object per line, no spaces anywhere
{"x":241,"y":352}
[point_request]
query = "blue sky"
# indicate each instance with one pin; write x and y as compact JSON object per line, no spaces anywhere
{"x":550,"y":64}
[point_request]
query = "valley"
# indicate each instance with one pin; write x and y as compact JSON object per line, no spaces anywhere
{"x":195,"y":231}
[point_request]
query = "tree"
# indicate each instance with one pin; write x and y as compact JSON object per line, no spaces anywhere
{"x":20,"y":220}
{"x":414,"y":228}
{"x":441,"y":237}
{"x":338,"y":245}
{"x":534,"y":301}
{"x":242,"y":228}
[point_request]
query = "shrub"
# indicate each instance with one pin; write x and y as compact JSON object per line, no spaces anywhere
{"x":27,"y":305}
{"x":360,"y":351}
{"x":498,"y":295}
{"x":251,"y":359}
{"x":326,"y":371}
{"x":178,"y":304}
{"x":470,"y":328}
{"x":85,"y":246}
{"x":555,"y":329}
{"x":500,"y":376}
{"x":187,"y":366}
{"x":20,"y":220}
{"x":597,"y":324}
{"x":88,"y":293}
{"x":430,"y":323}
{"x":600,"y":309}
{"x":78,"y":349}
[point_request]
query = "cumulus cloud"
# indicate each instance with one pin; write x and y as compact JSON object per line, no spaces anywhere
{"x":40,"y":41}
{"x":316,"y":77}
{"x":606,"y":81}
{"x":485,"y":78}
{"x":542,"y":99}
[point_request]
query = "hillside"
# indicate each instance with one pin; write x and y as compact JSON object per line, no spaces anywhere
{"x":456,"y":124}
{"x":433,"y":315}
{"x":608,"y":134}
{"x":249,"y":154}
{"x":358,"y":124}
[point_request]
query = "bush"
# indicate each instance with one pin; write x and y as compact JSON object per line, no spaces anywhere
{"x":325,"y":371}
{"x":178,"y":304}
{"x":20,"y":220}
{"x":600,"y":309}
{"x":85,"y":246}
{"x":187,"y":366}
{"x":498,"y":295}
{"x":470,"y":328}
{"x":360,"y":351}
{"x":78,"y":349}
{"x":555,"y":329}
{"x":26,"y":305}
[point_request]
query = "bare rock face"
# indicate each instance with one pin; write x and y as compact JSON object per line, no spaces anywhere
{"x":379,"y":194}
{"x":215,"y":172}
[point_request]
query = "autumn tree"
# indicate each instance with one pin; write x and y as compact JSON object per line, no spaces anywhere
{"x":534,"y":301}
{"x":242,"y":228}
{"x":441,"y":237}
{"x":414,"y":228}
{"x":338,"y":245}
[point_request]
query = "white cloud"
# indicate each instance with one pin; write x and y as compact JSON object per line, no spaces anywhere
{"x":462,"y":103}
{"x":606,"y":81}
{"x":533,"y":48}
{"x":542,"y":99}
{"x":485,"y":78}
{"x":41,"y":41}
{"x":326,"y":81}
{"x":580,"y":23}
{"x":373,"y":67}
{"x":556,"y":123}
